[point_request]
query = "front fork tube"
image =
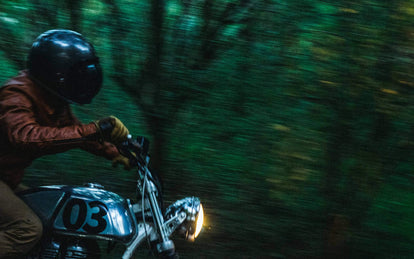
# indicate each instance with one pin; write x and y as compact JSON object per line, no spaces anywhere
{"x":166,"y":245}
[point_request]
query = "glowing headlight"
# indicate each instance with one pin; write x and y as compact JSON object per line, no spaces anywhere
{"x":194,"y":216}
{"x":199,"y":221}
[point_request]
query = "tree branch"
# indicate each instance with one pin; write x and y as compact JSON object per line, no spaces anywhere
{"x":232,"y":14}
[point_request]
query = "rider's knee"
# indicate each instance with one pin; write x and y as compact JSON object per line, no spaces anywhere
{"x":35,"y":230}
{"x":26,"y":234}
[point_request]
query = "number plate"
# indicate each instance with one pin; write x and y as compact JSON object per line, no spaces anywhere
{"x":107,"y":216}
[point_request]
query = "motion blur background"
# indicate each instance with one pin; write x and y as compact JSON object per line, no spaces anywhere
{"x":292,"y":120}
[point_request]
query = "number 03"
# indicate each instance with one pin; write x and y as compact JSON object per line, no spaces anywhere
{"x":79,"y":221}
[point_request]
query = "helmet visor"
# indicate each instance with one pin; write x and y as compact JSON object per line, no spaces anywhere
{"x":83,"y":82}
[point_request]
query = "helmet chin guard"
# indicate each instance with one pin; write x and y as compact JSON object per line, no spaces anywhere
{"x":63,"y":62}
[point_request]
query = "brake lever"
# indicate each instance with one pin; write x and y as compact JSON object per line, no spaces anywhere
{"x":133,"y":150}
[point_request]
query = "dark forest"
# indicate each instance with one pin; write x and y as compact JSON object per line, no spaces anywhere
{"x":293,"y":121}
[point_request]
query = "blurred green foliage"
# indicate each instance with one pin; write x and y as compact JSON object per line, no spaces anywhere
{"x":292,"y":120}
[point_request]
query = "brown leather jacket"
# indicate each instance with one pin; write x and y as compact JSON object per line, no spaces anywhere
{"x":33,"y":124}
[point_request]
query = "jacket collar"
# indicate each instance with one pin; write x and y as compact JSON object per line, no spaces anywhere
{"x":41,"y":94}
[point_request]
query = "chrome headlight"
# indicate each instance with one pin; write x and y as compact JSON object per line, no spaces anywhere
{"x":193,"y":212}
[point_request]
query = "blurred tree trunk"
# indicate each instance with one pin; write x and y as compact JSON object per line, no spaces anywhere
{"x":75,"y":14}
{"x":45,"y":11}
{"x":382,"y":129}
{"x":161,"y":111}
{"x":12,"y":46}
{"x":150,"y":84}
{"x":340,"y":142}
{"x":247,"y":39}
{"x":118,"y":52}
{"x":351,"y":191}
{"x":145,"y":89}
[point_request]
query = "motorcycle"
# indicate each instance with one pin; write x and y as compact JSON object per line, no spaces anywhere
{"x":76,"y":219}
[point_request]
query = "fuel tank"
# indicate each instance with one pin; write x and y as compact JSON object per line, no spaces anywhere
{"x":82,"y":210}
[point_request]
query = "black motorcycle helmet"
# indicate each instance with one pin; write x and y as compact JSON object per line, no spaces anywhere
{"x":64,"y":63}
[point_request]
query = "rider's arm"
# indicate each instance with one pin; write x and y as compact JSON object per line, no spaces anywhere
{"x":105,"y":149}
{"x":18,"y":120}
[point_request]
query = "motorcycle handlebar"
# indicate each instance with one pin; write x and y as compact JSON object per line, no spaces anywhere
{"x":136,"y":150}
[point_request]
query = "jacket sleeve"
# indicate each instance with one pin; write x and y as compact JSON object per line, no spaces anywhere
{"x":19,"y":121}
{"x":105,"y":149}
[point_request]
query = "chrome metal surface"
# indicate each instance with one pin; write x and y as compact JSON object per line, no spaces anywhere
{"x":95,"y":212}
{"x":94,"y":185}
{"x":156,"y":211}
{"x":143,"y":230}
{"x":187,"y":209}
{"x":173,"y":223}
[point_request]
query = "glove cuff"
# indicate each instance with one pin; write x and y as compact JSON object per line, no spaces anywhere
{"x":104,"y":129}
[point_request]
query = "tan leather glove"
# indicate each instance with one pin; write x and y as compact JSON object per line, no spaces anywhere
{"x":121,"y":160}
{"x":111,"y":129}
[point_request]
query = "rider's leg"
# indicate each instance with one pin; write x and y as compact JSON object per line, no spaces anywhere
{"x":20,"y":228}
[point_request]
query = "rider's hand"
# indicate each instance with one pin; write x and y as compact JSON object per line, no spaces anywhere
{"x":111,"y":129}
{"x":121,"y":160}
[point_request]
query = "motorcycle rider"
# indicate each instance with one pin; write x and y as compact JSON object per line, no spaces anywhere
{"x":36,"y":120}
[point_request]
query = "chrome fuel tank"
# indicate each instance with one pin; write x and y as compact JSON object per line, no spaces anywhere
{"x":89,"y":211}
